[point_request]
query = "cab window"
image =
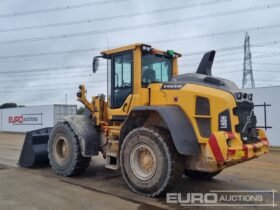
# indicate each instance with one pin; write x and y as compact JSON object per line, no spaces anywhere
{"x":155,"y":69}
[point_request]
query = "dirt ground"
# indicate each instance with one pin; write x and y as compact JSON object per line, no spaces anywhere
{"x":100,"y":188}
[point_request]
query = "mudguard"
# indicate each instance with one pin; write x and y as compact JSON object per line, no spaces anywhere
{"x":176,"y":121}
{"x":88,"y":136}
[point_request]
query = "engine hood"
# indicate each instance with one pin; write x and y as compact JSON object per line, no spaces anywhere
{"x":179,"y":81}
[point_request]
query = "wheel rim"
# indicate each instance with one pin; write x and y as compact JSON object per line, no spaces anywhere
{"x":61,"y":149}
{"x":143,"y":162}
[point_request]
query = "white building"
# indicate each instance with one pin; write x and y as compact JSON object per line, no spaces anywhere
{"x":268,"y":95}
{"x":23,"y":119}
{"x":36,"y":117}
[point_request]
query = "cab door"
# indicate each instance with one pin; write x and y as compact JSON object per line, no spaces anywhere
{"x":121,"y":82}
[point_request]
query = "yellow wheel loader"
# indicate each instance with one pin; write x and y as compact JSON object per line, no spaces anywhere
{"x":155,"y":126}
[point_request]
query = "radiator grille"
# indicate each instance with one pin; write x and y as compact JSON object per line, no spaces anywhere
{"x":204,"y":127}
{"x":202,"y":106}
{"x":247,"y":122}
{"x":203,"y":120}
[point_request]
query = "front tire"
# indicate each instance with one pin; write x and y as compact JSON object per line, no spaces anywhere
{"x":149,"y":161}
{"x":64,"y":152}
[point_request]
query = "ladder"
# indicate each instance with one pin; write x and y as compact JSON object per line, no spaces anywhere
{"x":112,"y":154}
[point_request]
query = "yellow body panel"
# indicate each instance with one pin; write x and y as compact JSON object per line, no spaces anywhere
{"x":122,"y":49}
{"x":221,"y":149}
{"x":186,"y":99}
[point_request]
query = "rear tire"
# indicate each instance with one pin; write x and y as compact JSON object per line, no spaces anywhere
{"x":198,"y":175}
{"x":64,"y":152}
{"x":149,"y":161}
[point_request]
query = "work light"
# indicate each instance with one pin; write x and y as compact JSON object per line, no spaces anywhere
{"x":170,"y":53}
{"x":250,"y":97}
{"x":239,"y":96}
{"x":146,"y":48}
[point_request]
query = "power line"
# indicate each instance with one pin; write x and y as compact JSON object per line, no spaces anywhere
{"x":47,"y":69}
{"x":156,"y":24}
{"x":79,"y":66}
{"x":40,"y":54}
{"x":46,"y":74}
{"x":76,"y":84}
{"x":267,"y":80}
{"x":47,"y":78}
{"x":47,"y":89}
{"x":238,"y":59}
{"x":98,"y":76}
{"x":271,"y":71}
{"x":239,"y":71}
{"x":262,"y":44}
{"x":262,"y":52}
{"x":96,"y":81}
{"x":226,"y":66}
{"x":237,"y":31}
{"x":54,"y":78}
{"x":228,"y":72}
{"x":31,"y":88}
{"x":57,"y":9}
{"x":266,"y":63}
{"x":129,"y":15}
{"x":51,"y":87}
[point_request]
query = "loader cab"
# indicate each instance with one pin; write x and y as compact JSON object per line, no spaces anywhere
{"x":130,"y":71}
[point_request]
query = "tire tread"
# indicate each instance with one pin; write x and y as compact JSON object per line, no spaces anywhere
{"x":79,"y":164}
{"x":176,"y":160}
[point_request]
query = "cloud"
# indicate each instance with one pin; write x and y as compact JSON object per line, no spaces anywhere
{"x":50,"y":87}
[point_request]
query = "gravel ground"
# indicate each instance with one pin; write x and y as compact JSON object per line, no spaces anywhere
{"x":100,"y":188}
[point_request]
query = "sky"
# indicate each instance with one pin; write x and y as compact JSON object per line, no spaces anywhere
{"x":46,"y":47}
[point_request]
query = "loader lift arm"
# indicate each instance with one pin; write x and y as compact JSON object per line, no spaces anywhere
{"x":98,"y":106}
{"x":81,"y":96}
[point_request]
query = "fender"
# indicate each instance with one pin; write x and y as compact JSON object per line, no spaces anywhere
{"x":174,"y":118}
{"x":88,"y":135}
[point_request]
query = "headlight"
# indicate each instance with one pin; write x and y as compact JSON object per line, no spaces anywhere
{"x":239,"y":96}
{"x":243,"y":97}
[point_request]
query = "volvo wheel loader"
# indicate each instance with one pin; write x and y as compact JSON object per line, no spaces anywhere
{"x":155,"y":126}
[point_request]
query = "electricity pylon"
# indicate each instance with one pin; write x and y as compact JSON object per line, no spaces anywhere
{"x":248,"y":77}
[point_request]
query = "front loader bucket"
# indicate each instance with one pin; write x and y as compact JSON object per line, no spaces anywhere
{"x":34,"y":151}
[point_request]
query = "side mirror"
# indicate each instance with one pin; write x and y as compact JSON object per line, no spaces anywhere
{"x":95,"y":64}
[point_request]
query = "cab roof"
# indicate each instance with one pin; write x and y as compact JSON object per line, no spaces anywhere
{"x":130,"y":47}
{"x":122,"y":49}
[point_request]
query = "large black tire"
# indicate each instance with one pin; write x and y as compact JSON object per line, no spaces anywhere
{"x":64,"y":152}
{"x":198,"y":175}
{"x":156,"y":171}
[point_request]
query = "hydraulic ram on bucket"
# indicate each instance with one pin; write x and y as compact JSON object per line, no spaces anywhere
{"x":34,"y":151}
